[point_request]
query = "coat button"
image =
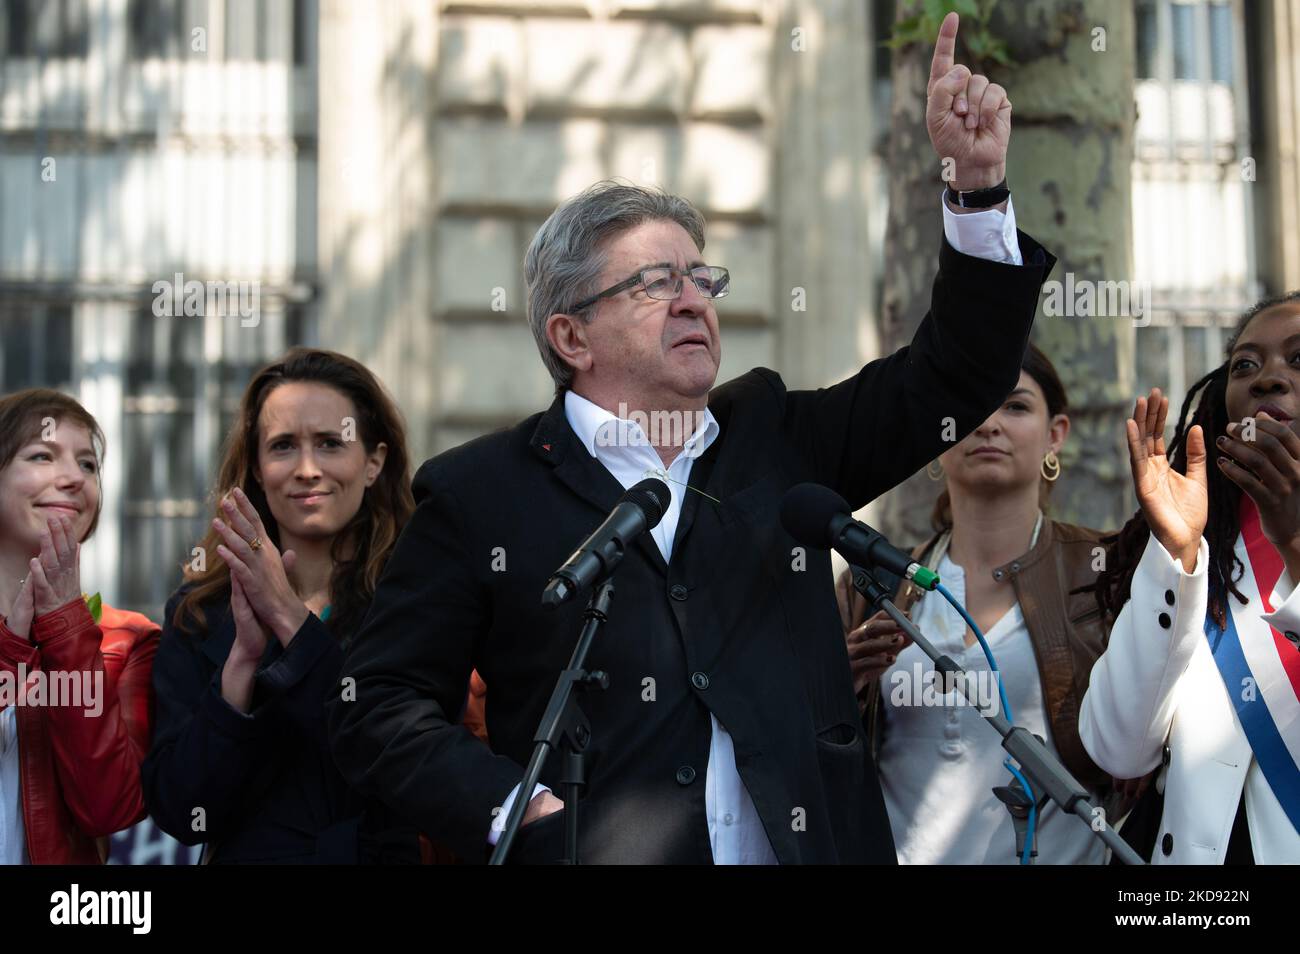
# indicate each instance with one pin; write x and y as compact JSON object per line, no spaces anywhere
{"x":685,"y":775}
{"x":1167,"y":844}
{"x":1169,"y":597}
{"x":677,"y":591}
{"x":1293,"y":636}
{"x":1164,"y":756}
{"x":1164,"y":620}
{"x":699,"y":680}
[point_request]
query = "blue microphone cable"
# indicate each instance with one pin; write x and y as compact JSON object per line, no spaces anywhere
{"x":1006,"y":707}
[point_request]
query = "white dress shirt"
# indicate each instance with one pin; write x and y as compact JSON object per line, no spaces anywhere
{"x":735,"y":831}
{"x":989,"y":234}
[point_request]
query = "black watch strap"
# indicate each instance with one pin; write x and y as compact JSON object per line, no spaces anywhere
{"x":978,"y":198}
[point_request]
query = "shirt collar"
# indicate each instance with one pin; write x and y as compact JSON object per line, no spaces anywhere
{"x":600,"y":430}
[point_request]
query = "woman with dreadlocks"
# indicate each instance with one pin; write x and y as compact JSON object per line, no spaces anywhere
{"x":1202,"y":672}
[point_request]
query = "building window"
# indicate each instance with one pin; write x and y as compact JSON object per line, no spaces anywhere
{"x":1186,"y":65}
{"x":183,"y":382}
{"x":1221,"y":36}
{"x":246,"y":31}
{"x":37,"y":347}
{"x":165,"y":29}
{"x":300,"y":28}
{"x":1190,"y":202}
{"x":1147,"y":34}
{"x":45,"y":28}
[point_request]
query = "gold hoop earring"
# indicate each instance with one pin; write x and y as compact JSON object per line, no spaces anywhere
{"x":934,"y":475}
{"x":1050,"y":468}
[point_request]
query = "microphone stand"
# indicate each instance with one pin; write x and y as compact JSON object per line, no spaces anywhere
{"x":1042,"y":767}
{"x":564,"y":726}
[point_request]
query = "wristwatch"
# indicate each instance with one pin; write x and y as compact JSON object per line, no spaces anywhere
{"x":978,"y":198}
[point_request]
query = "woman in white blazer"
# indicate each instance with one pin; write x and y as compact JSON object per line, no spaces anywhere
{"x":1202,"y":672}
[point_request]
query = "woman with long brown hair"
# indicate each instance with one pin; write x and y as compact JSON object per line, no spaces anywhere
{"x":74,"y":673}
{"x":313,"y":489}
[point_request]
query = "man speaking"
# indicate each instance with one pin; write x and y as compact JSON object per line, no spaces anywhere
{"x":729,"y":732}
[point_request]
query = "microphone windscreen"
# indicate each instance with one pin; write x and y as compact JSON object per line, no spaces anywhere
{"x":652,"y":496}
{"x":806,"y":513}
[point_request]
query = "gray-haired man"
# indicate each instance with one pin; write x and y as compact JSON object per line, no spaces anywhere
{"x":730,"y":730}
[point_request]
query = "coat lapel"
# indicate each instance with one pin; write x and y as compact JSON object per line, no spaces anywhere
{"x":711,"y":479}
{"x":556,"y":443}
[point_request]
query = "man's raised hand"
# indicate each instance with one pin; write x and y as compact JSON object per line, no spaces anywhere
{"x":968,"y":118}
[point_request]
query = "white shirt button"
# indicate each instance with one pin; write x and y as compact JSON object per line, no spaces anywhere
{"x":728,"y":818}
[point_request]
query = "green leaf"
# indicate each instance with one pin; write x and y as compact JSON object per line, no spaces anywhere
{"x":967,"y":9}
{"x":905,"y":31}
{"x":908,"y":24}
{"x":936,"y":9}
{"x":95,"y":605}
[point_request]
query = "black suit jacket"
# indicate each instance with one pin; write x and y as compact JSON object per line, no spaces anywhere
{"x":741,"y":623}
{"x":266,"y":782}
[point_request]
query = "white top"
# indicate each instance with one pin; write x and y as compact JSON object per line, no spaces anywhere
{"x":939,"y":763}
{"x":13,"y":841}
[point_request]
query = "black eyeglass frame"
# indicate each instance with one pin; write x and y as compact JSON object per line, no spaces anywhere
{"x":639,"y":279}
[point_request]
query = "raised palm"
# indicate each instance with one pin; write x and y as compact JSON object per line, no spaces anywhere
{"x":1175,"y":505}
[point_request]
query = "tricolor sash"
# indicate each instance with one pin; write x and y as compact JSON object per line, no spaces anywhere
{"x":1261,"y":668}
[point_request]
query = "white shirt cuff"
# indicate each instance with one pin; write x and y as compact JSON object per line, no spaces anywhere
{"x":1285,"y":617}
{"x":1170,"y":561}
{"x":990,"y":234}
{"x":499,"y":822}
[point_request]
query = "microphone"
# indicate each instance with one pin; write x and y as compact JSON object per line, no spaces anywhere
{"x":640,"y":508}
{"x":818,"y":517}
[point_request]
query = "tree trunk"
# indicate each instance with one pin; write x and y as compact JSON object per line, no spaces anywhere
{"x":1069,"y":172}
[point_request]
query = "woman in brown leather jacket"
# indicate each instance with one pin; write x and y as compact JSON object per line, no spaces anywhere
{"x":1026,"y":580}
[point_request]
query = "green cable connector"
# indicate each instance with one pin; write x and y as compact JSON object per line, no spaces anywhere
{"x":924,"y":578}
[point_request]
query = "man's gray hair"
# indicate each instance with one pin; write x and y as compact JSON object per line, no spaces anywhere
{"x":565,"y":258}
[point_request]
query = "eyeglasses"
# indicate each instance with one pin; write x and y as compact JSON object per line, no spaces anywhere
{"x":665,"y":284}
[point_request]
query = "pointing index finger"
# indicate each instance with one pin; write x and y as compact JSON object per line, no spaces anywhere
{"x":945,"y":48}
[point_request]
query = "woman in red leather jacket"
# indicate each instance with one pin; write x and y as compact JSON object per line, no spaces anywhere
{"x":75,"y":692}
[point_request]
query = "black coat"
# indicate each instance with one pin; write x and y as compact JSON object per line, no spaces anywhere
{"x":738,"y":624}
{"x":266,"y":783}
